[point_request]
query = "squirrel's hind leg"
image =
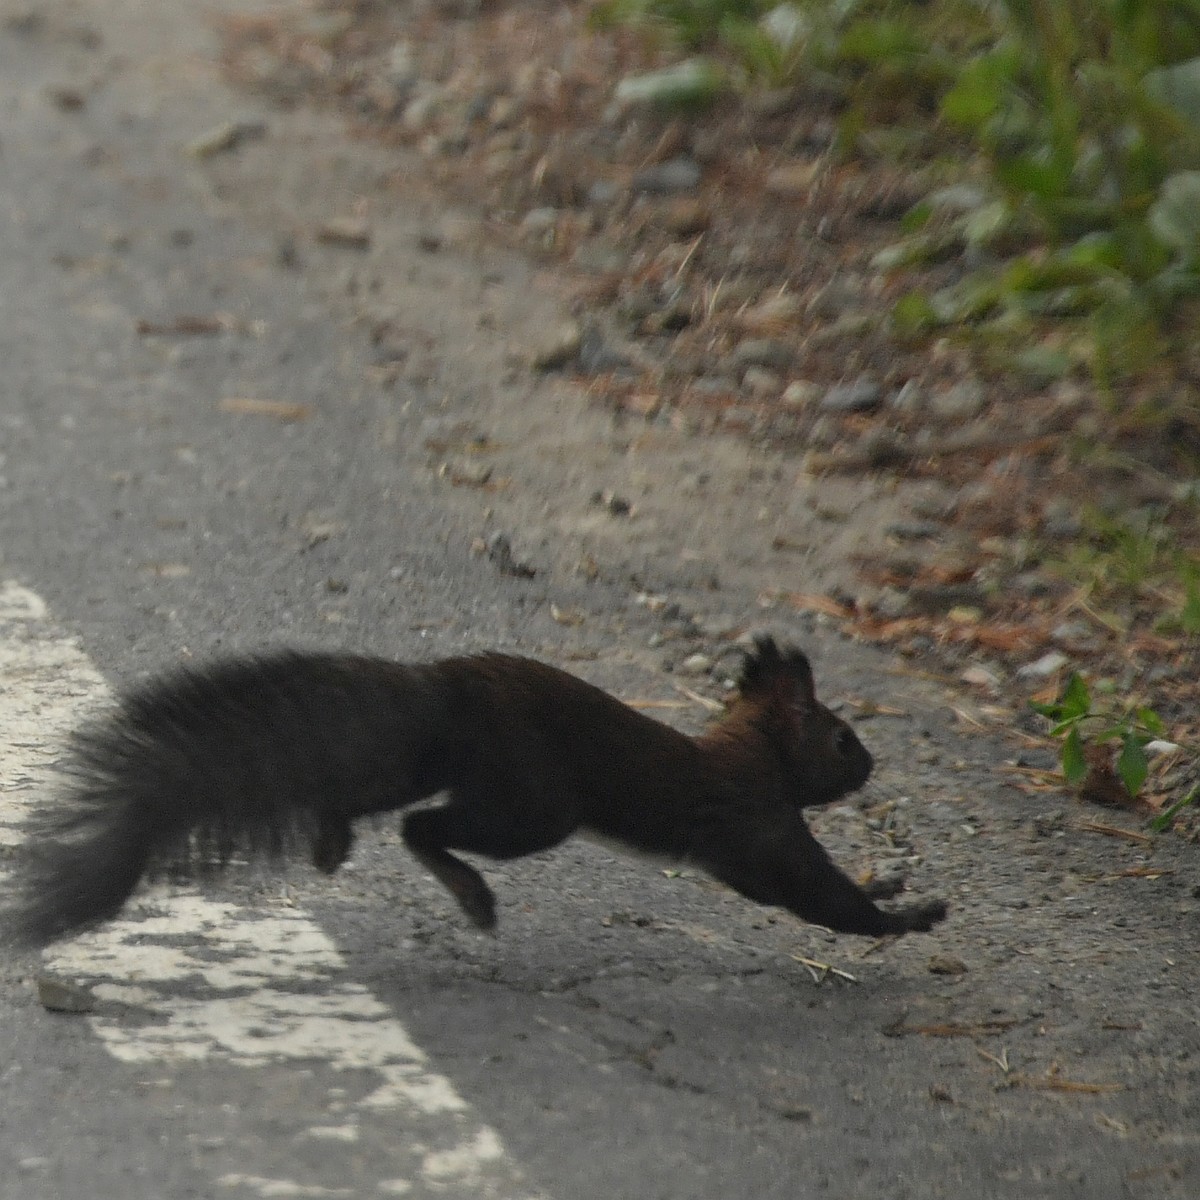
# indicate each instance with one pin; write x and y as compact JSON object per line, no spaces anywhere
{"x":424,"y":835}
{"x":331,"y":842}
{"x":484,"y":823}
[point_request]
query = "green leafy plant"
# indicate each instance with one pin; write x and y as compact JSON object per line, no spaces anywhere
{"x":1079,"y":721}
{"x":1133,"y":562}
{"x":1166,"y":818}
{"x":1088,"y":112}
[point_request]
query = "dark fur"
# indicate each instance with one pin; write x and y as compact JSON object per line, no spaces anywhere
{"x":256,"y":755}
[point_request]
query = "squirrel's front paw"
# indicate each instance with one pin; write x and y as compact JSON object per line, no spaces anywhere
{"x":917,"y":918}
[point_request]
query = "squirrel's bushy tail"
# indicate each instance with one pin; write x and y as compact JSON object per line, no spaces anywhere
{"x":248,"y":756}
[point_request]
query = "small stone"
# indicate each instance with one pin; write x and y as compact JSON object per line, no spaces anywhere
{"x":934,"y":502}
{"x":981,"y":676}
{"x":693,"y":81}
{"x":946,"y":964}
{"x":675,"y":175}
{"x":499,"y":551}
{"x":66,"y":99}
{"x":965,"y":614}
{"x":422,"y":108}
{"x":909,"y":399}
{"x":914,"y":531}
{"x":863,"y":395}
{"x":960,"y":402}
{"x":763,"y":352}
{"x":57,"y":995}
{"x":695,"y":664}
{"x":1072,"y":631}
{"x":958,"y":198}
{"x":793,"y":179}
{"x":1042,"y":668}
{"x":401,"y":68}
{"x":883,"y":447}
{"x":761,"y":382}
{"x":538,"y":222}
{"x":772,"y":315}
{"x":800,"y":393}
{"x":601,"y":192}
{"x":558,"y":347}
{"x":891,"y":603}
{"x":596,"y":356}
{"x":615,"y":505}
{"x":842,"y":294}
{"x":1031,"y":583}
{"x":352,"y":233}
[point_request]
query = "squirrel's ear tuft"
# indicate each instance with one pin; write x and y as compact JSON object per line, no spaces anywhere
{"x":785,"y":672}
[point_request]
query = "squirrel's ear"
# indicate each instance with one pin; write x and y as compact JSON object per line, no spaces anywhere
{"x":786,"y":675}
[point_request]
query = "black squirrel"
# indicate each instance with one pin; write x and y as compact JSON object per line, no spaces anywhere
{"x":258,"y":754}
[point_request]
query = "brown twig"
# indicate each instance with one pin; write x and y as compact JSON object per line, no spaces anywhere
{"x":1114,"y":831}
{"x":821,"y":969}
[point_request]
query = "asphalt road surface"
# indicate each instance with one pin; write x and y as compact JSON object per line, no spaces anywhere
{"x":205,"y":451}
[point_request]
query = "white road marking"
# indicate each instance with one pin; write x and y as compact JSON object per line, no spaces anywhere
{"x":190,"y":980}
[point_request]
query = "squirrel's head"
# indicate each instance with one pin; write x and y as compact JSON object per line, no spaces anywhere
{"x":818,"y":749}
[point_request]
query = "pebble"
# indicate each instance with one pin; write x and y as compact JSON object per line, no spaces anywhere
{"x":761,"y":382}
{"x":800,"y":393}
{"x":841,"y":294}
{"x":401,"y":70}
{"x":763,"y":352}
{"x":420,"y":110}
{"x":539,"y":220}
{"x":960,"y":402}
{"x":914,"y":531}
{"x":601,"y":192}
{"x":769,"y":315}
{"x":617,"y":506}
{"x":891,"y":602}
{"x":696,"y":664}
{"x":882,"y":447}
{"x":499,"y":551}
{"x":1072,"y":631}
{"x":946,"y":964}
{"x":1044,"y":667}
{"x":958,"y":198}
{"x":935,"y":501}
{"x":981,"y":676}
{"x":1031,"y":583}
{"x":675,"y":175}
{"x":692,"y":81}
{"x":351,"y":233}
{"x":597,"y":356}
{"x":559,"y":345}
{"x":793,"y":179}
{"x":863,"y":395}
{"x":909,"y":399}
{"x":59,"y":995}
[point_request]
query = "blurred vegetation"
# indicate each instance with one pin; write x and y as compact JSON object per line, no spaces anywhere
{"x":1077,"y":123}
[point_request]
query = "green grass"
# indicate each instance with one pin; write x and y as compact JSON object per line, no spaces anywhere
{"x":1085,"y":115}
